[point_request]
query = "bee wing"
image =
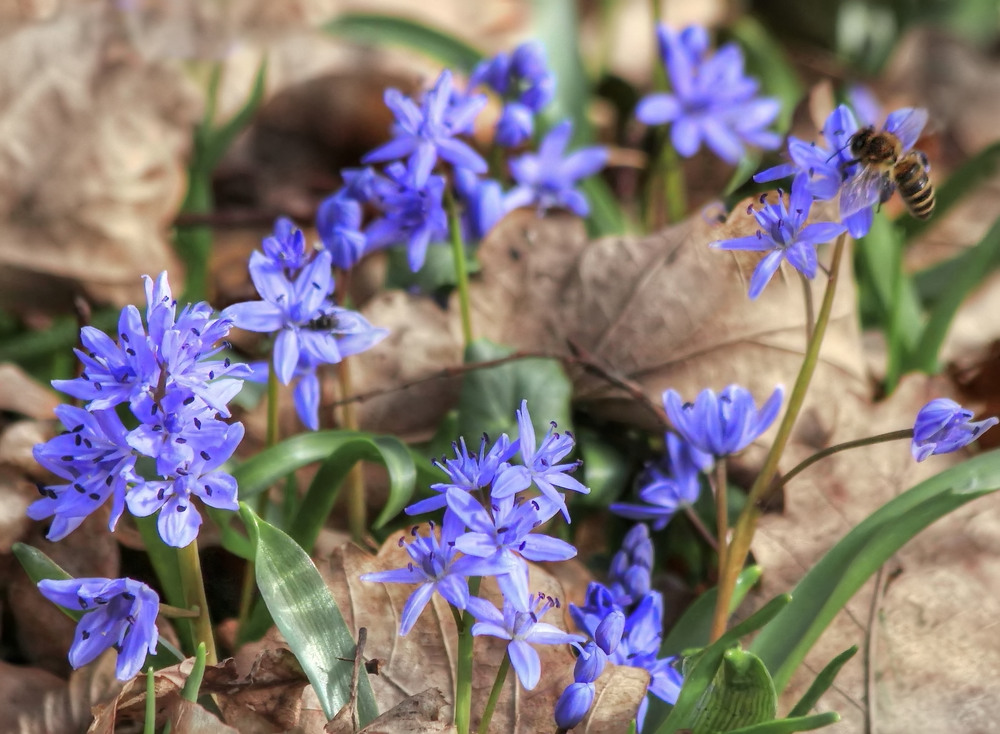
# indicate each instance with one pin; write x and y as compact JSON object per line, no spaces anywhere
{"x":906,"y":124}
{"x":861,"y":190}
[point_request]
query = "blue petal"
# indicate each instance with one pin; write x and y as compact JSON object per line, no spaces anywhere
{"x":525,"y":662}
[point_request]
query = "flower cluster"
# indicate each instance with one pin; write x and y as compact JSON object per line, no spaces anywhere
{"x":296,"y":286}
{"x":711,"y":101}
{"x":629,"y":593}
{"x":576,"y":700}
{"x":494,"y":539}
{"x":119,"y":613}
{"x":668,"y":486}
{"x":526,"y":84}
{"x":163,"y":370}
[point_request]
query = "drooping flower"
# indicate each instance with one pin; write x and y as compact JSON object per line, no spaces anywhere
{"x":338,"y":222}
{"x":526,"y":84}
{"x":435,"y":565}
{"x":119,"y":613}
{"x":784,"y":235}
{"x":547,"y":179}
{"x":711,"y":100}
{"x":427,"y":132}
{"x":666,"y":490}
{"x":542,"y":465}
{"x":523,"y":629}
{"x":943,"y":426}
{"x":721,"y":424}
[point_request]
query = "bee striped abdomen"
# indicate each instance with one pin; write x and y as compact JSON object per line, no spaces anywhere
{"x":915,"y":185}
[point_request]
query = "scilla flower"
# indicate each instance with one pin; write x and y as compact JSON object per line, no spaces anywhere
{"x":943,"y":426}
{"x":118,"y":613}
{"x":721,"y":424}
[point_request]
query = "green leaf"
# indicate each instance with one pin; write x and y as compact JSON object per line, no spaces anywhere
{"x":741,"y":694}
{"x":606,"y":216}
{"x":388,"y":30}
{"x":829,"y":584}
{"x":975,"y":265}
{"x":700,"y":677}
{"x":971,"y":174}
{"x":490,"y":396}
{"x":605,"y":470}
{"x":39,"y":566}
{"x":555,"y":25}
{"x":308,"y":618}
{"x":789,"y":725}
{"x":272,"y":464}
{"x":768,"y":62}
{"x":695,"y":625}
{"x":218,"y":140}
{"x":822,"y":682}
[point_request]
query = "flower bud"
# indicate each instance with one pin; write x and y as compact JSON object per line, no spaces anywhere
{"x":590,"y":664}
{"x":573,"y":704}
{"x":609,"y":631}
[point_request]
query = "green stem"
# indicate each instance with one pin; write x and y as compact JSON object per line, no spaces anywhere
{"x":273,"y":391}
{"x":491,"y":703}
{"x":857,"y":443}
{"x":721,"y":511}
{"x":747,"y":523}
{"x":672,"y":168}
{"x":149,"y":724}
{"x":357,"y":516}
{"x":699,"y":526}
{"x":807,"y":296}
{"x":189,"y":565}
{"x":461,"y":268}
{"x":463,"y":672}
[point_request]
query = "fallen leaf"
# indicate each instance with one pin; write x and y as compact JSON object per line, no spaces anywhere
{"x":424,"y":658}
{"x":21,"y":393}
{"x":427,"y":712}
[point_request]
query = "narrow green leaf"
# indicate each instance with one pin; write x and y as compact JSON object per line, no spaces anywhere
{"x":768,"y":62}
{"x":606,"y":216}
{"x":232,"y":539}
{"x":308,"y":618}
{"x":37,"y":565}
{"x":217,"y":141}
{"x":555,"y":24}
{"x":490,"y":397}
{"x":695,"y":625}
{"x":976,"y":264}
{"x":822,"y":683}
{"x":746,"y":168}
{"x":789,"y":725}
{"x":388,"y":30}
{"x":829,"y":584}
{"x":193,"y":683}
{"x":698,"y":680}
{"x":971,"y":174}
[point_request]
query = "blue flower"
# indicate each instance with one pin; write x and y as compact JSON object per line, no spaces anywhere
{"x":468,"y":472}
{"x":541,"y":464}
{"x":943,"y":426}
{"x":119,"y":613}
{"x":573,"y":704}
{"x":711,"y":99}
{"x":435,"y":565}
{"x":825,"y":165}
{"x":199,"y":476}
{"x":286,"y":248}
{"x":784,"y":235}
{"x":526,"y":84}
{"x":548,"y":179}
{"x":93,"y":455}
{"x":721,"y":424}
{"x":667,"y":490}
{"x":338,"y":222}
{"x":482,"y":200}
{"x":629,"y":575}
{"x":412,"y":214}
{"x":427,"y":132}
{"x":523,"y":628}
{"x":500,"y":539}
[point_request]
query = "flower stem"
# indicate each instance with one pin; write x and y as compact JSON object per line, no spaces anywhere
{"x":746,"y":525}
{"x":189,"y":565}
{"x":857,"y":443}
{"x":357,"y":518}
{"x":721,"y":511}
{"x":463,"y":673}
{"x":461,"y":268}
{"x":807,"y":295}
{"x":703,"y":531}
{"x":672,"y":168}
{"x":491,"y":703}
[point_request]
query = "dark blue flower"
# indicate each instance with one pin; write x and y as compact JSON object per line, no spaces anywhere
{"x":784,"y":235}
{"x":338,"y":222}
{"x":526,"y":84}
{"x":500,"y":539}
{"x":93,"y":455}
{"x":523,"y":628}
{"x":516,"y":125}
{"x":943,"y":426}
{"x":711,"y":100}
{"x":427,"y":132}
{"x":412,"y":214}
{"x":573,"y":704}
{"x":119,"y":613}
{"x":721,"y":424}
{"x":629,"y":575}
{"x":483,"y":203}
{"x":542,"y":465}
{"x":435,"y":566}
{"x":548,"y":179}
{"x":609,"y":632}
{"x":665,"y":490}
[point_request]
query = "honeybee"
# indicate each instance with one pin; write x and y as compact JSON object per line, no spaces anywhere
{"x":884,"y":167}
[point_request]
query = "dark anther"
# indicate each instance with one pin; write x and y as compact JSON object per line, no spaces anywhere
{"x":84,"y":635}
{"x":94,"y":496}
{"x":204,"y":455}
{"x":181,"y":508}
{"x":197,"y":423}
{"x":128,"y":596}
{"x":188,"y":400}
{"x":79,"y":488}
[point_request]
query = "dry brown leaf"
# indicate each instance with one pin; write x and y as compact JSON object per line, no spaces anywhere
{"x":187,"y":717}
{"x":91,"y":161}
{"x":425,"y":656}
{"x":270,"y":695}
{"x":21,"y":393}
{"x":428,"y":712}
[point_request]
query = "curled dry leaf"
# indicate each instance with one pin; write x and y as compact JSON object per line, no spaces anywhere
{"x":91,"y":161}
{"x":427,"y":712}
{"x":425,"y":657}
